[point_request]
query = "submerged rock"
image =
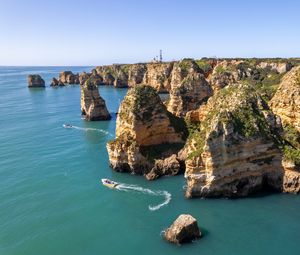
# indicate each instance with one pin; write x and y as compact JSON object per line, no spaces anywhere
{"x":93,"y":106}
{"x":184,"y":229}
{"x":145,"y":132}
{"x":35,"y":81}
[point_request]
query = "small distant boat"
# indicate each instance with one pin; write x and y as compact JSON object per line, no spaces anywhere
{"x":109,"y":183}
{"x":67,"y":126}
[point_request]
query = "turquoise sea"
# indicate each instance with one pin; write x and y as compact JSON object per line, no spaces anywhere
{"x":51,"y":201}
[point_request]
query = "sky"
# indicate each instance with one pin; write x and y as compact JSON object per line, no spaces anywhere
{"x":96,"y":32}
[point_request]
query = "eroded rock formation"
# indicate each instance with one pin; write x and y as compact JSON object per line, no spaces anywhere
{"x":56,"y":83}
{"x":184,"y":229}
{"x":189,"y":89}
{"x":136,"y":74}
{"x":158,"y":76}
{"x":236,"y":151}
{"x":67,"y":77}
{"x":145,"y":132}
{"x":35,"y":81}
{"x":93,"y":106}
{"x":280,"y":67}
{"x":286,"y":101}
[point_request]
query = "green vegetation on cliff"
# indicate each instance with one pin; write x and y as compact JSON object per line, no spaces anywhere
{"x":291,"y":149}
{"x":238,"y":107}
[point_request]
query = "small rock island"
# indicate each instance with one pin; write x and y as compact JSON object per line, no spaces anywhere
{"x":93,"y":106}
{"x":35,"y":81}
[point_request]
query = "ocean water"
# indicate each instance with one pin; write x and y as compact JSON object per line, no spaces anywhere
{"x":51,"y":201}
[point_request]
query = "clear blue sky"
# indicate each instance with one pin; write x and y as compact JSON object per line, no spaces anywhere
{"x":91,"y":32}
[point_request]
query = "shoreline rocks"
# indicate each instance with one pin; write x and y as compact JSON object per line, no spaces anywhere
{"x":35,"y":81}
{"x":183,"y":230}
{"x":93,"y":106}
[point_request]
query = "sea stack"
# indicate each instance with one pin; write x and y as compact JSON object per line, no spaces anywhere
{"x":93,"y":106}
{"x":35,"y":81}
{"x":184,"y":229}
{"x":146,"y":133}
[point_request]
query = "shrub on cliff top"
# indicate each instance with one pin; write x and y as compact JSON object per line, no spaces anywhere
{"x":241,"y":107}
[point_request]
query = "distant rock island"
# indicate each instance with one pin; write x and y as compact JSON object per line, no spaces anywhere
{"x":35,"y":81}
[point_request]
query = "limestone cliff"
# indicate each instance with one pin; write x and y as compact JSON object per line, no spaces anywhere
{"x":189,"y":89}
{"x":93,"y":106}
{"x":236,"y":149}
{"x":286,"y":101}
{"x":136,"y":74}
{"x":158,"y":76}
{"x":280,"y":67}
{"x":145,"y":132}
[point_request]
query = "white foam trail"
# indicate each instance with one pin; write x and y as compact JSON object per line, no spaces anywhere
{"x":88,"y":129}
{"x":165,"y":194}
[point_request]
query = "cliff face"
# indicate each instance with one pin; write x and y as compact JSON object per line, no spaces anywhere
{"x":158,"y":76}
{"x":189,"y":89}
{"x":145,"y":132}
{"x":286,"y":101}
{"x":236,"y":150}
{"x":280,"y":67}
{"x":136,"y":74}
{"x":93,"y":106}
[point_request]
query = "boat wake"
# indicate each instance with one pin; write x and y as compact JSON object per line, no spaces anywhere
{"x":167,"y":196}
{"x":87,"y":129}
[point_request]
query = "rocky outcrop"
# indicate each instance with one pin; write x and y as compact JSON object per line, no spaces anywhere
{"x":228,"y":72}
{"x":145,"y":132}
{"x":286,"y":101}
{"x":189,"y":89}
{"x":168,"y":166}
{"x":280,"y":67}
{"x":158,"y":76}
{"x":56,"y":83}
{"x":291,"y":179}
{"x":236,"y":150}
{"x":184,"y":229}
{"x":35,"y":81}
{"x":95,"y":78}
{"x":67,"y":77}
{"x":93,"y":106}
{"x":136,"y":74}
{"x":121,"y":80}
